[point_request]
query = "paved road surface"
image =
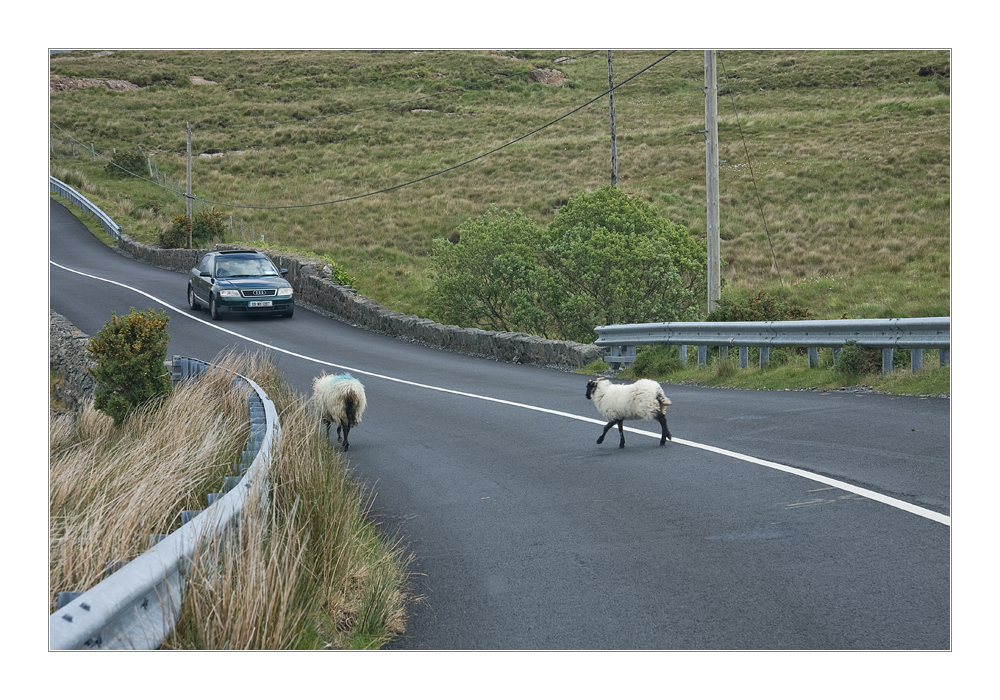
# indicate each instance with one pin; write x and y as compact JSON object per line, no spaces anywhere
{"x":528,"y":535}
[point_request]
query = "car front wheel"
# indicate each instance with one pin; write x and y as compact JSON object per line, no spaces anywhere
{"x":213,"y":309}
{"x":192,"y":301}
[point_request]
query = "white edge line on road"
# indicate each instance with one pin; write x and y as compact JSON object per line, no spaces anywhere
{"x":865,"y":493}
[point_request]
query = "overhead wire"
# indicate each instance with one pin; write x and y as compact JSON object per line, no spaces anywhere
{"x":404,"y":184}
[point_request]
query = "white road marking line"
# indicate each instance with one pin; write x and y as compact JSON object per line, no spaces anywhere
{"x":866,"y":493}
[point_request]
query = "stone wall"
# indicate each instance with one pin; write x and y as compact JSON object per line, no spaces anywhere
{"x":67,"y":355}
{"x":314,"y":288}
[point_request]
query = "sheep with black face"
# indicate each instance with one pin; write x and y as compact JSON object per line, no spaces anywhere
{"x":642,"y":400}
{"x":339,"y":399}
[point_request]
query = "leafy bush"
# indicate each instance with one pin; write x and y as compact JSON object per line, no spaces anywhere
{"x":762,"y":306}
{"x":130,"y":352}
{"x":208,"y":226}
{"x":126,"y":162}
{"x":487,"y":278}
{"x":857,"y":361}
{"x":178,"y":235}
{"x":606,"y":258}
{"x":611,"y":258}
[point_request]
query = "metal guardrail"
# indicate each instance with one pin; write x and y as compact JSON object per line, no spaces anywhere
{"x":137,"y":606}
{"x":915,"y":334}
{"x":64,"y":190}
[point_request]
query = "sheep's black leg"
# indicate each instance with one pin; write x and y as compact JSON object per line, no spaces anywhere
{"x":662,"y":420}
{"x":338,"y":434}
{"x":346,"y":431}
{"x":606,"y":429}
{"x":621,"y":433}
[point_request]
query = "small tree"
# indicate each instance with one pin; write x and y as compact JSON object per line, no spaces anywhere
{"x":130,"y":352}
{"x":611,"y":258}
{"x":486,"y":279}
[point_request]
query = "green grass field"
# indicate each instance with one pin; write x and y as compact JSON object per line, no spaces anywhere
{"x":835,"y":185}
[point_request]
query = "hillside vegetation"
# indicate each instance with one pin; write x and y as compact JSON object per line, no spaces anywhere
{"x":835,"y":186}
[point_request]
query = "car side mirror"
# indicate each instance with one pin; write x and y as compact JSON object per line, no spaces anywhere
{"x":205,"y":274}
{"x":283,"y":271}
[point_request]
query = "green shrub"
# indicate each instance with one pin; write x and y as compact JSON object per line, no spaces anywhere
{"x":178,"y":235}
{"x":857,"y":361}
{"x":126,"y":162}
{"x":208,"y":226}
{"x":130,"y":351}
{"x":656,"y":361}
{"x":762,"y":306}
{"x":611,"y":258}
{"x":487,"y":277}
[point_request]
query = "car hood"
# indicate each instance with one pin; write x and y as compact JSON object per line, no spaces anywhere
{"x":269,"y":282}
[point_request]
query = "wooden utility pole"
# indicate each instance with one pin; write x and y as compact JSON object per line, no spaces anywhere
{"x":614,"y":145}
{"x":712,"y":180}
{"x":187,"y":188}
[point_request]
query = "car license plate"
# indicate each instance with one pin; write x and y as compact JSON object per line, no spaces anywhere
{"x":260,"y":303}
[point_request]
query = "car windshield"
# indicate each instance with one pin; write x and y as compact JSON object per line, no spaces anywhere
{"x":244,"y":267}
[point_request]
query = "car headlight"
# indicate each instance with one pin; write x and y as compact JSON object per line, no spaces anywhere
{"x":229,"y":292}
{"x":284,"y":292}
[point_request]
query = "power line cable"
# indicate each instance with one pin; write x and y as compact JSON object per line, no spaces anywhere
{"x":411,"y":182}
{"x":454,"y":167}
{"x":753,"y":179}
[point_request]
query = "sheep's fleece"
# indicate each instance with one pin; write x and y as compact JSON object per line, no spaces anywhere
{"x":643,"y":400}
{"x":339,"y":399}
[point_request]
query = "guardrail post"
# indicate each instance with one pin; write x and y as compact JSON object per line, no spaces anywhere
{"x":916,"y":359}
{"x":682,"y":353}
{"x":723,"y":351}
{"x":945,"y":356}
{"x":836,"y":356}
{"x":886,"y":360}
{"x":702,"y":355}
{"x":813,"y":354}
{"x":744,"y":356}
{"x":765,"y":357}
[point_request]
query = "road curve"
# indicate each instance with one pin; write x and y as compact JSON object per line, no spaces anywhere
{"x":528,"y":535}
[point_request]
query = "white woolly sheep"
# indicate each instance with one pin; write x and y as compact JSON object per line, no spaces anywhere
{"x":339,"y":399}
{"x":643,"y":400}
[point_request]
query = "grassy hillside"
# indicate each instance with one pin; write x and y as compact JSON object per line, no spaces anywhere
{"x":835,"y":185}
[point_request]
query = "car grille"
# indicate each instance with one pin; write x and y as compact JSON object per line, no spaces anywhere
{"x":258,"y":292}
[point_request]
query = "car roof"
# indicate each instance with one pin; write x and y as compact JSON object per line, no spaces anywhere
{"x":240,"y":253}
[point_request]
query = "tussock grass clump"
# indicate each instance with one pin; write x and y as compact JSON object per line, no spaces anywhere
{"x":306,"y":568}
{"x":110,"y":487}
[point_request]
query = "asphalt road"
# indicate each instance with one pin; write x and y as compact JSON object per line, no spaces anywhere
{"x":528,"y":535}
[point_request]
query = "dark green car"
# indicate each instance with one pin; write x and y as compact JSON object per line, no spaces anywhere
{"x":239,"y":282}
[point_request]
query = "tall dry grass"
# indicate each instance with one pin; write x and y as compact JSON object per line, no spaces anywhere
{"x":305,"y":570}
{"x":111,"y":488}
